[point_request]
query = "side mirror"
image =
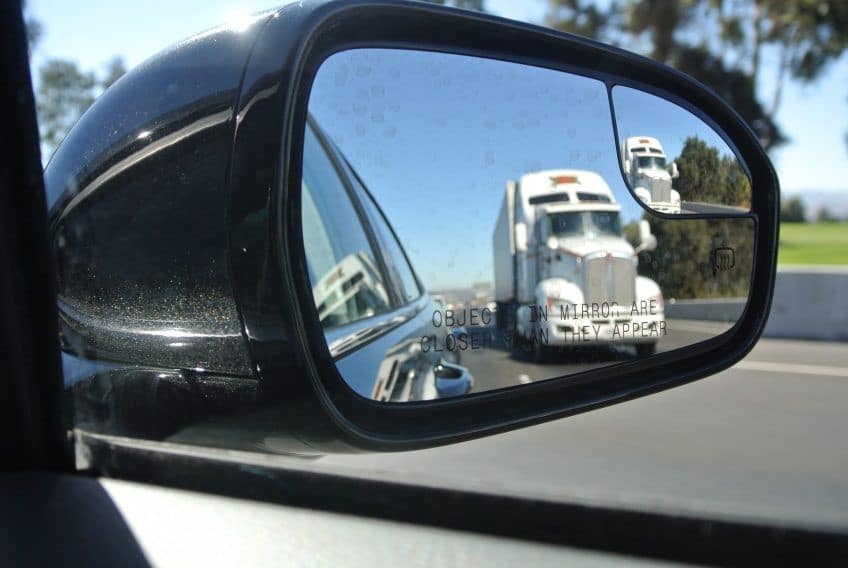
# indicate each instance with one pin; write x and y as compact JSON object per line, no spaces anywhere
{"x":647,"y":240}
{"x":520,"y":237}
{"x":721,"y":178}
{"x":264,"y":256}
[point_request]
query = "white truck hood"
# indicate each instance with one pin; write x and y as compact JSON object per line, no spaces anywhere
{"x":654,"y":173}
{"x":582,"y":245}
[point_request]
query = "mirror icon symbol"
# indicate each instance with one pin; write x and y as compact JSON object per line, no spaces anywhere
{"x":724,"y":258}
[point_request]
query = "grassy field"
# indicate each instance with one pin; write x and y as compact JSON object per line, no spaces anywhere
{"x":813,"y":243}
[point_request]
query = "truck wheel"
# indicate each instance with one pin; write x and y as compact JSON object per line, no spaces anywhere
{"x":645,"y":349}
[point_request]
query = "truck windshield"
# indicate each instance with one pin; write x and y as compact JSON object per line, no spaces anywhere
{"x":567,"y":224}
{"x":651,"y":162}
{"x":604,"y":222}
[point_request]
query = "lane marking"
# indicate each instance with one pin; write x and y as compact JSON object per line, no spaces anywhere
{"x":524,"y":379}
{"x":823,"y":370}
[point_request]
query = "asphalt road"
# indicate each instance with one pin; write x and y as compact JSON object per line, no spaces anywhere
{"x":767,"y":438}
{"x":499,"y":367}
{"x":696,"y":207}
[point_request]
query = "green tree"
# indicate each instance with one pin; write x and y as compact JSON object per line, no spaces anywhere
{"x":115,"y":69}
{"x":34,"y":29}
{"x":631,"y":233}
{"x":792,"y":210}
{"x":682,"y":263}
{"x":478,"y":5}
{"x":708,"y":177}
{"x":737,"y":185}
{"x":804,"y":36}
{"x":722,"y":43}
{"x":583,"y":17}
{"x":661,"y":21}
{"x":64,"y":90}
{"x":699,"y":166}
{"x":823,"y":215}
{"x":64,"y":93}
{"x":735,"y":86}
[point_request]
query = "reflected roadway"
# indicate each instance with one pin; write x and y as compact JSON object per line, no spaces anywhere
{"x":696,"y":207}
{"x":499,"y":368}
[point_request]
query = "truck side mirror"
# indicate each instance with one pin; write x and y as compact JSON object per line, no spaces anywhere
{"x":627,"y":165}
{"x":520,"y":237}
{"x":672,"y":169}
{"x":647,"y":240}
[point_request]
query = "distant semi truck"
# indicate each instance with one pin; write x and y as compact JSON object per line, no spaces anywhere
{"x":564,"y":273}
{"x":649,"y":174}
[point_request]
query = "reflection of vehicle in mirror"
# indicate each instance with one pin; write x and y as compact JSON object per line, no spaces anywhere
{"x":354,"y":282}
{"x":363,"y":287}
{"x":649,"y":175}
{"x":398,"y":378}
{"x":564,"y":269}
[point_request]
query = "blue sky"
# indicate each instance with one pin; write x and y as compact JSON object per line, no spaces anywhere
{"x":643,"y":114}
{"x":436,"y":136}
{"x":92,"y":31}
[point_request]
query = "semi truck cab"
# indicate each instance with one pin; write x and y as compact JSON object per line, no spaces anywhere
{"x":570,"y":276}
{"x":649,"y":174}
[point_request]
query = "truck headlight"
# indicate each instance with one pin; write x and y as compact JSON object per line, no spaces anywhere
{"x":658,"y":299}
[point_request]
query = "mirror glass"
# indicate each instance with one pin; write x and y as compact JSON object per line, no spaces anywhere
{"x":466,"y":228}
{"x":673,"y":161}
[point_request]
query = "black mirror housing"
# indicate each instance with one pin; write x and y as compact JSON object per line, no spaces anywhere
{"x":272,"y":337}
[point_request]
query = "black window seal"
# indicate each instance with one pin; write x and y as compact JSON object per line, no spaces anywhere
{"x":421,"y":289}
{"x":31,"y":408}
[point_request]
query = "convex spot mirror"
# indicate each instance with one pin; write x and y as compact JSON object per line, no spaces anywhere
{"x":468,"y":226}
{"x":673,"y":161}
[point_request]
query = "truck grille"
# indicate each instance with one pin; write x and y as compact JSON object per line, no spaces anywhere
{"x":660,"y":190}
{"x":610,"y":279}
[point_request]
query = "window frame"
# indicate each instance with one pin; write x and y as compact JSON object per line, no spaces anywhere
{"x":400,"y":310}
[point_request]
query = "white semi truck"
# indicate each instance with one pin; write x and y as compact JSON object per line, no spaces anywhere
{"x":564,"y":273}
{"x":349,"y":290}
{"x":649,"y":175}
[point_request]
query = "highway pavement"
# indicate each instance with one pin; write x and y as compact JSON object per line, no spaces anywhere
{"x":696,"y":207}
{"x":500,"y":367}
{"x":767,"y":438}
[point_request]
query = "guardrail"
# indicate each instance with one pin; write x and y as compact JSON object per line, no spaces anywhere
{"x":713,"y":309}
{"x":810,"y":302}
